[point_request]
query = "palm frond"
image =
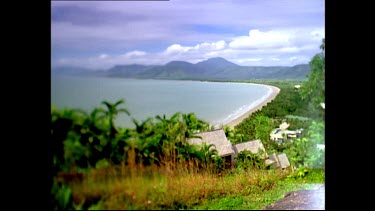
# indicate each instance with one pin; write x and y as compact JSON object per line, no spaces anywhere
{"x":119,"y":102}
{"x":124,"y":110}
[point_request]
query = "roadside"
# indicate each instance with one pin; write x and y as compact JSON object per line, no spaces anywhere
{"x":301,"y":200}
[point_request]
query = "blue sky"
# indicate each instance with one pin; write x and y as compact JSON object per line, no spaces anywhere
{"x":101,"y":34}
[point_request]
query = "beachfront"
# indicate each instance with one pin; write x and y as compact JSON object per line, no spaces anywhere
{"x":275,"y":92}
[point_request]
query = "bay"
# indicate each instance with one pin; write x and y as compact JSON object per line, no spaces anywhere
{"x":215,"y":102}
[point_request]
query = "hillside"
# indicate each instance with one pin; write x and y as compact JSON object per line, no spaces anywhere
{"x":212,"y":69}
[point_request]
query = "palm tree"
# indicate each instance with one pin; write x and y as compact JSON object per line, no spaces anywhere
{"x":143,"y":126}
{"x":207,"y":153}
{"x":146,"y":140}
{"x":194,"y":124}
{"x":111,"y":112}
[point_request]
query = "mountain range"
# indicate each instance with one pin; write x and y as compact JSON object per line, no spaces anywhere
{"x":212,"y":69}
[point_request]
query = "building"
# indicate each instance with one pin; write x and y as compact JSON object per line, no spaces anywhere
{"x":225,"y":148}
{"x":253,"y":146}
{"x":279,"y":161}
{"x":228,"y":151}
{"x":219,"y":139}
{"x":281,"y":134}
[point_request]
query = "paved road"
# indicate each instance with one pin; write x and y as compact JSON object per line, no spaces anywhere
{"x":301,"y":200}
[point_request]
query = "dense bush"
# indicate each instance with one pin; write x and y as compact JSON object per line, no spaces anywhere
{"x":81,"y":140}
{"x":246,"y":160}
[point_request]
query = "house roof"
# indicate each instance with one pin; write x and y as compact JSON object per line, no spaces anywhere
{"x":253,"y":146}
{"x":216,"y":137}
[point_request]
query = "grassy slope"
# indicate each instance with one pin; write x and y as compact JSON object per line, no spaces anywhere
{"x":260,"y":197}
{"x":158,"y":189}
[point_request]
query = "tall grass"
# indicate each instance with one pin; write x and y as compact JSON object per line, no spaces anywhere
{"x":156,"y":187}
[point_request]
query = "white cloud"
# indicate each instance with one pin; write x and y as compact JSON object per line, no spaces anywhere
{"x":103,"y":56}
{"x":176,"y":49}
{"x":299,"y":47}
{"x":211,"y":54}
{"x":258,"y":39}
{"x":289,"y":49}
{"x":133,"y":54}
{"x":205,"y":47}
{"x":293,"y":58}
{"x":211,"y":46}
{"x":198,"y":30}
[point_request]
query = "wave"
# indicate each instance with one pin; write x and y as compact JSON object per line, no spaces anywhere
{"x":242,"y":110}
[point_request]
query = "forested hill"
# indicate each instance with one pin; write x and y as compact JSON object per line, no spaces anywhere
{"x":212,"y":69}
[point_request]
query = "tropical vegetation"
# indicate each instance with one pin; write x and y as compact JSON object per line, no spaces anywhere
{"x":98,"y":165}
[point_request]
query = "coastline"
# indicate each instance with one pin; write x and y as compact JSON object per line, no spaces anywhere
{"x":274,"y":93}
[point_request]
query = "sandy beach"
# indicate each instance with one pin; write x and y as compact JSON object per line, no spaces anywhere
{"x":275,"y":92}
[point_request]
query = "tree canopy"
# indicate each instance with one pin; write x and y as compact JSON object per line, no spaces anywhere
{"x":313,"y":89}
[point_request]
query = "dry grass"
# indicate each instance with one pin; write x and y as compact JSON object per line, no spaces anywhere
{"x":160,"y":188}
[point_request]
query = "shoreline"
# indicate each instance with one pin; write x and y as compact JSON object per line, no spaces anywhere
{"x":238,"y":120}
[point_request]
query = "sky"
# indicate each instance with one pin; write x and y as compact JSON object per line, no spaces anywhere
{"x":101,"y":34}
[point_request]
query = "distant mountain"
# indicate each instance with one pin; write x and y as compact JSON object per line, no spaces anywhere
{"x":76,"y":71}
{"x":217,"y":62}
{"x":129,"y":71}
{"x":212,"y":69}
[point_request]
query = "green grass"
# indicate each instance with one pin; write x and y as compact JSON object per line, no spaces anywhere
{"x":157,"y":188}
{"x":252,"y":201}
{"x":255,"y":198}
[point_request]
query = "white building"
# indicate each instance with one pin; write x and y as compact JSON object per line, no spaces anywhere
{"x":281,"y":134}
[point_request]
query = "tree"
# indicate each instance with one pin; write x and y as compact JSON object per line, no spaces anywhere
{"x":309,"y":151}
{"x":111,"y":112}
{"x":194,"y":124}
{"x":247,"y":159}
{"x":313,"y":89}
{"x":263,"y":129}
{"x":208,"y":153}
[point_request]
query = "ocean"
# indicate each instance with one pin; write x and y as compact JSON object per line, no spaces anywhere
{"x":216,"y":102}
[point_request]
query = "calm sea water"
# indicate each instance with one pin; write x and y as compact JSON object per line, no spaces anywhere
{"x":215,"y":102}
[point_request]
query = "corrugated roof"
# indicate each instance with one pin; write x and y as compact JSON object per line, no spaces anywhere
{"x":253,"y":146}
{"x":216,"y":137}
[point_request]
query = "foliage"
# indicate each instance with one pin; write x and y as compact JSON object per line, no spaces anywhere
{"x":111,"y":113}
{"x":233,"y":136}
{"x":305,"y":151}
{"x":154,"y":167}
{"x":248,"y":160}
{"x":194,"y":124}
{"x":81,"y":140}
{"x":302,"y":109}
{"x":299,"y":173}
{"x":151,"y":142}
{"x":218,"y":163}
{"x":62,"y":198}
{"x":208,"y":151}
{"x":263,"y":129}
{"x":313,"y":90}
{"x":287,"y":102}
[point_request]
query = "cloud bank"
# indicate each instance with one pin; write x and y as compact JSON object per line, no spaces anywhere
{"x":100,"y":35}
